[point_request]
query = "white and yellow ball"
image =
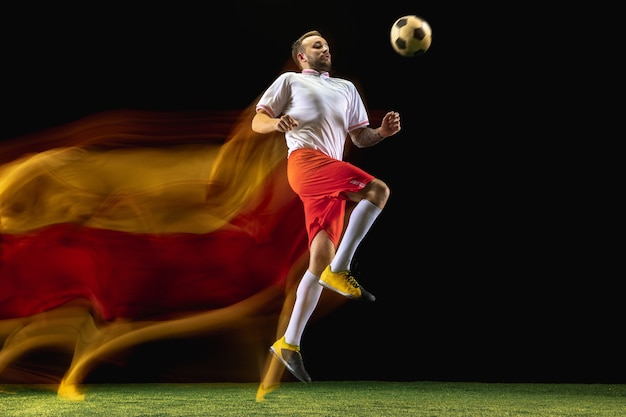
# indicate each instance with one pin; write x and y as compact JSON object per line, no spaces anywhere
{"x":411,"y":36}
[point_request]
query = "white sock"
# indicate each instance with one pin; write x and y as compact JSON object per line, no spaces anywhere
{"x":361,"y":219}
{"x":307,"y":295}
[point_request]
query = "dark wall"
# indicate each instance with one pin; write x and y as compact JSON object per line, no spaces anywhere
{"x":482,"y":262}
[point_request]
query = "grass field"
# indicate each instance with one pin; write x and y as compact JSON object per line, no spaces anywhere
{"x":343,"y":399}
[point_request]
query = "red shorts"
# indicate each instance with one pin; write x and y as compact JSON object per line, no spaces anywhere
{"x":320,"y":182}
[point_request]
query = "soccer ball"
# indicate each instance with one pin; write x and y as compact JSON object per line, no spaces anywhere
{"x":411,"y":36}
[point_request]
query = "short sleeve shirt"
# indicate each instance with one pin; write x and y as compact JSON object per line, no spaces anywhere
{"x":326,"y":108}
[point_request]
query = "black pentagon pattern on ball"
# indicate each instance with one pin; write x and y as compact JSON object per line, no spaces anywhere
{"x":418,"y":33}
{"x":401,"y":22}
{"x":400,"y":43}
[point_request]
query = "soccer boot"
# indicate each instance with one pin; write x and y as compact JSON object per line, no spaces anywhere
{"x":290,"y":356}
{"x":344,"y":283}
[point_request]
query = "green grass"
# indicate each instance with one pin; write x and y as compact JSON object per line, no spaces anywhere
{"x":342,"y":399}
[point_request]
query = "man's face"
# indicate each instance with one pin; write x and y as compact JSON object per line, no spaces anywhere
{"x":316,"y":54}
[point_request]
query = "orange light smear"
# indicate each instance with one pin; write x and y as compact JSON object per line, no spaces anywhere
{"x":129,"y":227}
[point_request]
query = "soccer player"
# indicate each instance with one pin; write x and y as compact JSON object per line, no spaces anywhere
{"x":317,"y":112}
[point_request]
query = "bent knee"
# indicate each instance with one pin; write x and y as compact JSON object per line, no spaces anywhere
{"x":378,"y":192}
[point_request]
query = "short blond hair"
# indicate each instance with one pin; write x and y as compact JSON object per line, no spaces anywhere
{"x":296,"y":47}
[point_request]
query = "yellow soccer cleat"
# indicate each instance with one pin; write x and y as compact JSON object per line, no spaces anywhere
{"x":344,"y":283}
{"x":290,"y":356}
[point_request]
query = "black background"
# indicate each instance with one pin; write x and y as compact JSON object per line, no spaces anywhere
{"x":486,"y":262}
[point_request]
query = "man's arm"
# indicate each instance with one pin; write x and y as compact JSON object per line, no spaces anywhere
{"x":264,"y":123}
{"x":367,"y":136}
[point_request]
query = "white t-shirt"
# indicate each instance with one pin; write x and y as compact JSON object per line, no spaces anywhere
{"x":326,"y":109}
